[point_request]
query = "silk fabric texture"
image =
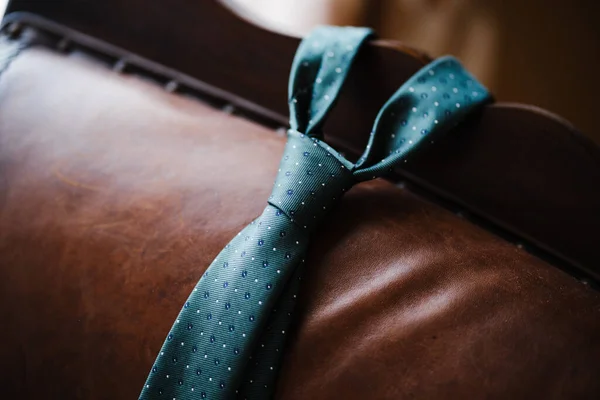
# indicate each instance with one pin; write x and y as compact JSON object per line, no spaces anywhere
{"x":228,"y":339}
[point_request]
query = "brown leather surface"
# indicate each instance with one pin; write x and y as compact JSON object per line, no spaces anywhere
{"x":516,"y":165}
{"x":115,"y":196}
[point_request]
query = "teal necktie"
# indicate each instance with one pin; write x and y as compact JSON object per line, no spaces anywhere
{"x":228,"y":339}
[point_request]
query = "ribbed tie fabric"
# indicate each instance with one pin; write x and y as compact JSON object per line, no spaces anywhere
{"x":228,"y":339}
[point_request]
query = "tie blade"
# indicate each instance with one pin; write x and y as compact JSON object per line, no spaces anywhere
{"x":220,"y":325}
{"x":262,"y":371}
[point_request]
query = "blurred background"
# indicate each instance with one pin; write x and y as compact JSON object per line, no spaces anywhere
{"x":540,"y":52}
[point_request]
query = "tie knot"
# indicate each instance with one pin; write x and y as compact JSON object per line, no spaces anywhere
{"x":311,"y":178}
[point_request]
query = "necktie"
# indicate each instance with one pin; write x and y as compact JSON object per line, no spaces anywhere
{"x":228,"y":339}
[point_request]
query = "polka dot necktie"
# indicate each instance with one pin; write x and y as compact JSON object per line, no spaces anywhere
{"x":228,"y":339}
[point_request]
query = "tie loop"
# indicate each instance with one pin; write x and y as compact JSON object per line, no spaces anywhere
{"x":432,"y":102}
{"x":319,"y":70}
